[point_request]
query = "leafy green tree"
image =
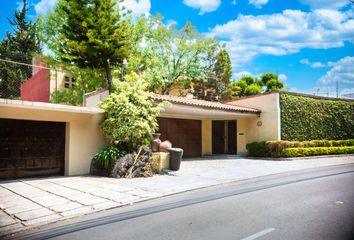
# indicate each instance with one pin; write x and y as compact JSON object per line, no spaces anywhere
{"x":265,"y":77}
{"x":271,"y":82}
{"x":93,"y":35}
{"x":169,"y":55}
{"x":130,"y":116}
{"x":253,"y":89}
{"x":248,"y":79}
{"x":19,"y":45}
{"x":249,"y":85}
{"x":274,"y":84}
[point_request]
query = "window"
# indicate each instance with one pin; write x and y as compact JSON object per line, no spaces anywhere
{"x":69,"y":82}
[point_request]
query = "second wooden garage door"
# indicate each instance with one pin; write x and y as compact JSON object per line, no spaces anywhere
{"x":185,"y":134}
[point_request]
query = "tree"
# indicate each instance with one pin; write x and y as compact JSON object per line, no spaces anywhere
{"x":232,"y":91}
{"x":169,"y":55}
{"x":130,"y":117}
{"x":274,"y":84}
{"x":93,"y":35}
{"x":214,"y":86}
{"x":249,"y":85}
{"x":253,"y":89}
{"x":271,"y":82}
{"x":20,"y":46}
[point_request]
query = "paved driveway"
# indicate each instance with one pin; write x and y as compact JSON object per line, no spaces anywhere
{"x":28,"y":203}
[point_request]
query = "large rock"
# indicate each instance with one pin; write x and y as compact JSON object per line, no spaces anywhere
{"x":141,"y":167}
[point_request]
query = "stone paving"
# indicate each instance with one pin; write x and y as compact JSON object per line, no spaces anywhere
{"x":28,"y":203}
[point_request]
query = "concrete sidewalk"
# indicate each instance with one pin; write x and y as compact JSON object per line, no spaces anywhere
{"x":28,"y":203}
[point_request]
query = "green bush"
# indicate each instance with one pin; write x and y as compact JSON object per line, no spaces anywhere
{"x":305,"y":118}
{"x":314,"y":151}
{"x":107,"y":156}
{"x":257,"y":149}
{"x":277,"y":148}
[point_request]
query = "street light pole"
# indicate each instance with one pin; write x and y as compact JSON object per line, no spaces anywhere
{"x":124,"y":66}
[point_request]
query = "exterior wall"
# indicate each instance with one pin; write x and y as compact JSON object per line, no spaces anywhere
{"x":37,"y":87}
{"x":83,"y":137}
{"x":93,"y":100}
{"x":57,"y":80}
{"x":270,"y":118}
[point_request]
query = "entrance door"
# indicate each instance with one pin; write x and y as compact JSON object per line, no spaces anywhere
{"x":224,"y":137}
{"x":218,"y":136}
{"x":231,"y":137}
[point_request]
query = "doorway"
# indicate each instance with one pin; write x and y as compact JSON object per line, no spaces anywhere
{"x":224,"y":137}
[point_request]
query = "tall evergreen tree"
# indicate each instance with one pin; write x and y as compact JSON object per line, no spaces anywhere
{"x":93,"y":35}
{"x":19,"y":45}
{"x":223,"y":72}
{"x":219,"y":76}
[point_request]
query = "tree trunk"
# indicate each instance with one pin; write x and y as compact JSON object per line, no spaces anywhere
{"x":109,"y":78}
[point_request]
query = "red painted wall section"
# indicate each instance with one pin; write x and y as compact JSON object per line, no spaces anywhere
{"x":36,"y":88}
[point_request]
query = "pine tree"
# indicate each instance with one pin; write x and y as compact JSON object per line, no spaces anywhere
{"x":93,"y":35}
{"x":213,"y":89}
{"x":19,"y":46}
{"x":223,"y":72}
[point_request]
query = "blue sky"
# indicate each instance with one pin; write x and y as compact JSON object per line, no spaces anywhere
{"x":310,"y":43}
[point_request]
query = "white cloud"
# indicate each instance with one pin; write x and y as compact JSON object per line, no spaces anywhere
{"x":347,"y":93}
{"x":258,"y":3}
{"x":44,"y":6}
{"x":204,"y":6}
{"x":234,"y":2}
{"x":282,"y":77}
{"x":19,"y":5}
{"x":138,"y":7}
{"x":316,"y":64}
{"x":341,"y":72}
{"x":171,"y":23}
{"x":239,"y":75}
{"x":325,"y":4}
{"x":284,"y":33}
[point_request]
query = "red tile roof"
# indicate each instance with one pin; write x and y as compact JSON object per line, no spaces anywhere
{"x":205,"y":104}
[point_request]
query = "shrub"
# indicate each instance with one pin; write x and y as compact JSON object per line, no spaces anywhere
{"x":300,"y":152}
{"x":107,"y":156}
{"x":130,"y":116}
{"x":305,"y":118}
{"x":277,"y":148}
{"x":68,"y":96}
{"x":257,"y":149}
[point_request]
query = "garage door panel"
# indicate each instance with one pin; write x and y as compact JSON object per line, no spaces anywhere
{"x":31,"y":148}
{"x":185,"y":134}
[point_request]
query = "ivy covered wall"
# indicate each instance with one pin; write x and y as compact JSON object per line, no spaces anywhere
{"x":313,"y":118}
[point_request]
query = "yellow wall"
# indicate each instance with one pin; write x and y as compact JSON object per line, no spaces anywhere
{"x":83,"y":136}
{"x":270,"y":118}
{"x":57,"y":80}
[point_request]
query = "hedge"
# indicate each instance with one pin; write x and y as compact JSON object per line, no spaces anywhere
{"x":306,"y":118}
{"x":277,"y":148}
{"x":300,"y":152}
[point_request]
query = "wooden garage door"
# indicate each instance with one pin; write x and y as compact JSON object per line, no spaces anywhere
{"x":31,"y":148}
{"x":185,"y":134}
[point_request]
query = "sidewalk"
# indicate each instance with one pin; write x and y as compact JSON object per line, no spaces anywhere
{"x":29,"y":203}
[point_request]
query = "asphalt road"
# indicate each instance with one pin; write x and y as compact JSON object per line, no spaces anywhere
{"x":316,"y":204}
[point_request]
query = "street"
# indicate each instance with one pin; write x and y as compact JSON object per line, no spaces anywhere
{"x":313,"y":204}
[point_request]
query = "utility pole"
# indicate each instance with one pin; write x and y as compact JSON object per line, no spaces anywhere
{"x":337,"y":88}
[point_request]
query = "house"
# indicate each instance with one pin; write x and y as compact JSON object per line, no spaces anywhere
{"x":44,"y":82}
{"x":43,"y":139}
